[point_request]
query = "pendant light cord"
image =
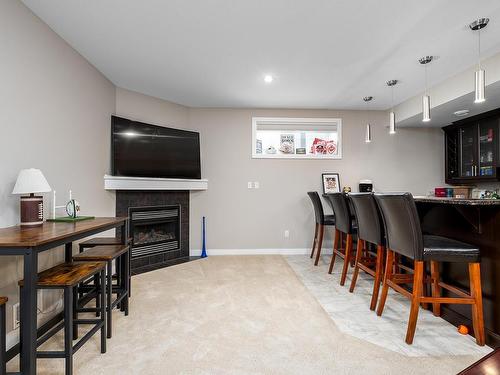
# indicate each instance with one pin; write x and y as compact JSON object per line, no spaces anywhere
{"x":479,"y":48}
{"x":425,"y":67}
{"x":392,"y":98}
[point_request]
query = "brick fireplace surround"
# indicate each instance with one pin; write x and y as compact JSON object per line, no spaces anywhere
{"x":141,"y":262}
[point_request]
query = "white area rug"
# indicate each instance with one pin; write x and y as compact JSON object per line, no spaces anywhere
{"x":352,"y":315}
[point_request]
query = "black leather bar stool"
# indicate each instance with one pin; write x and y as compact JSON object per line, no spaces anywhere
{"x":404,"y":236}
{"x":370,"y":230}
{"x":321,"y":221}
{"x":3,"y":347}
{"x":67,"y":276}
{"x":343,"y":224}
{"x":108,"y":254}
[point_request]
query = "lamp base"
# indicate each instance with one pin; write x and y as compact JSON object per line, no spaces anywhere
{"x":31,"y":211}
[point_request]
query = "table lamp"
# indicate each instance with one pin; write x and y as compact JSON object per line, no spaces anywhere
{"x":31,"y":181}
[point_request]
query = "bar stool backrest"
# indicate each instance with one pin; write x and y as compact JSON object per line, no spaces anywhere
{"x":318,"y":207}
{"x":402,"y":224}
{"x":340,"y":207}
{"x":368,"y":217}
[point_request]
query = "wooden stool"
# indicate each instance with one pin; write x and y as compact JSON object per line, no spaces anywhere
{"x":99,"y":241}
{"x":108,"y":254}
{"x":67,"y":276}
{"x":404,"y":236}
{"x":3,"y":348}
{"x":108,"y":241}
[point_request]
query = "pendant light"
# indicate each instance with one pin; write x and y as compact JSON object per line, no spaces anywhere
{"x":426,"y":99}
{"x":392,"y":115}
{"x":368,"y":134}
{"x":479,"y":74}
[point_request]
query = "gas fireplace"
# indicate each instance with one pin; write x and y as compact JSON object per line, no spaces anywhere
{"x":154,"y":229}
{"x":158,"y":227}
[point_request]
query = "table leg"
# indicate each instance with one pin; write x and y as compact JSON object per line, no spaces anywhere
{"x":29,"y":314}
{"x":68,"y":252}
{"x":3,"y":359}
{"x":124,"y":239}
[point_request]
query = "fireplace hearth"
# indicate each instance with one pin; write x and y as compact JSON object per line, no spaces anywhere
{"x":158,"y":227}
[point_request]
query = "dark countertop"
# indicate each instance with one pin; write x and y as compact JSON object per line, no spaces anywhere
{"x":459,"y":201}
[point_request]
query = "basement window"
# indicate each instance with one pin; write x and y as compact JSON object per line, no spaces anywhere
{"x":296,"y":138}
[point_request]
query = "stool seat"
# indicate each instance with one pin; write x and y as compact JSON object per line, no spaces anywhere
{"x":442,"y":249}
{"x":3,"y":300}
{"x":98,"y":241}
{"x":67,"y":274}
{"x":102,"y":253}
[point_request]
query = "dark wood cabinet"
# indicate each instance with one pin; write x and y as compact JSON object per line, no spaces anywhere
{"x":472,"y":149}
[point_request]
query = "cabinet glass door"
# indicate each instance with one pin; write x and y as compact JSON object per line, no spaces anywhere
{"x":468,"y":136}
{"x":452,"y":154}
{"x":487,"y":148}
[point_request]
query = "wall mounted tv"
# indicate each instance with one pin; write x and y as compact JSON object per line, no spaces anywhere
{"x":144,"y":150}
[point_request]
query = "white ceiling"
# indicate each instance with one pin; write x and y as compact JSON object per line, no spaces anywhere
{"x":443,"y":114}
{"x":323,"y":53}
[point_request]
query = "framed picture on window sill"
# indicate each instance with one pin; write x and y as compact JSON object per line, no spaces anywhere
{"x":331,"y":183}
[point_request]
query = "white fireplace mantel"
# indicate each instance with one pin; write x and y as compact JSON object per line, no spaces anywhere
{"x":147,"y":183}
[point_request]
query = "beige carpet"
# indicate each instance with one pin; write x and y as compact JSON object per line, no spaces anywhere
{"x":236,"y":315}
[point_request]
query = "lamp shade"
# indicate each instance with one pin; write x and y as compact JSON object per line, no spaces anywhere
{"x":31,"y":181}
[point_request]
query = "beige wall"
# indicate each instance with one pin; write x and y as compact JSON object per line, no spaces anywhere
{"x":136,"y":106}
{"x":239,"y":218}
{"x":54,"y":115}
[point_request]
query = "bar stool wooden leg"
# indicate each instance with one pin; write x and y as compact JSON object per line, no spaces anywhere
{"x":387,"y":277}
{"x":379,"y":268}
{"x":418,"y":277}
{"x":320,"y":243}
{"x":436,"y":289}
{"x":335,"y":249}
{"x":314,"y":239}
{"x":359,"y":254}
{"x":347,"y":259}
{"x":477,"y":307}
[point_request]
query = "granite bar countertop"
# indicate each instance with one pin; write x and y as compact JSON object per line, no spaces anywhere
{"x":460,"y":201}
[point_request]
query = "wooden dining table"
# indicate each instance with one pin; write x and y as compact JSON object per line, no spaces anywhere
{"x":28,"y":243}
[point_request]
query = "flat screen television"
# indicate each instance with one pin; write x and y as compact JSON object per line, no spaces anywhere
{"x":145,"y":150}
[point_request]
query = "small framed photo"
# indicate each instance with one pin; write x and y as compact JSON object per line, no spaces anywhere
{"x":331,"y":183}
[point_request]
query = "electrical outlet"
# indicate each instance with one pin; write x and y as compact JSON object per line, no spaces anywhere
{"x":256,"y":184}
{"x":287,"y":233}
{"x":16,"y":317}
{"x":250,"y":184}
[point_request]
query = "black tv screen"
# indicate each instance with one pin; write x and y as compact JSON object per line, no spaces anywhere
{"x":144,"y":150}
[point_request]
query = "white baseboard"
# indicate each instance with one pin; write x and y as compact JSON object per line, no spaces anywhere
{"x":290,"y":251}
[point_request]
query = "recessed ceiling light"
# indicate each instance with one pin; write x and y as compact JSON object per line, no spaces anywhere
{"x":268,"y":78}
{"x":462,"y":112}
